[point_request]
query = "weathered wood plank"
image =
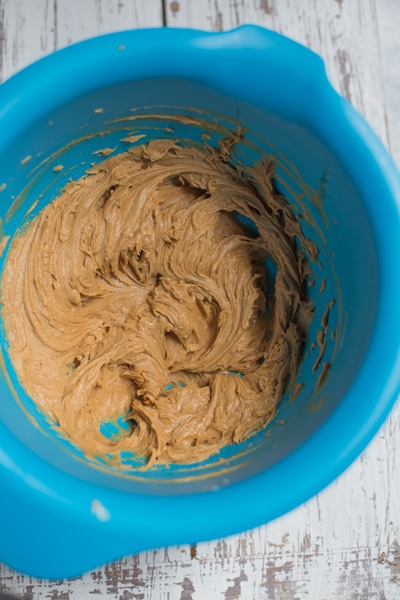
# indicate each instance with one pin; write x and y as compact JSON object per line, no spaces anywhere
{"x":389,"y":26}
{"x":26,"y":33}
{"x":343,"y":32}
{"x":232,"y":571}
{"x":30,"y":29}
{"x":80,"y":20}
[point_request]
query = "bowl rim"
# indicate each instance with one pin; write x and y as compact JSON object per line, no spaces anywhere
{"x":66,"y":503}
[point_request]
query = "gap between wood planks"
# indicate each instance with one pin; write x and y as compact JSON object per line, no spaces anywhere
{"x":164,"y":12}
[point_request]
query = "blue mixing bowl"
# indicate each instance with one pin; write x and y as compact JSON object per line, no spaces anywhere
{"x":340,"y":182}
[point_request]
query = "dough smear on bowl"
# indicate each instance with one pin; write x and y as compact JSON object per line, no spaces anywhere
{"x":145,"y":295}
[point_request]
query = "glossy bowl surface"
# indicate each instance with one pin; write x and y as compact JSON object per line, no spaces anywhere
{"x":339,"y":179}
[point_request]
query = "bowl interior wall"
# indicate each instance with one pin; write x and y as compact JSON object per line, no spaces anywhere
{"x":312,"y":179}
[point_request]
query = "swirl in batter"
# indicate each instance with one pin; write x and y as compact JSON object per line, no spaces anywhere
{"x":138,"y":295}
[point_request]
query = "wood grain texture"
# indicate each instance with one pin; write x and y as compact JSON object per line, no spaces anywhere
{"x":79,"y":20}
{"x":389,"y":26}
{"x":343,"y":32}
{"x":27,"y":32}
{"x":30,"y":29}
{"x":345,"y":543}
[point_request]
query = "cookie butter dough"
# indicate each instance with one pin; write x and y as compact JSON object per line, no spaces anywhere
{"x":138,"y":298}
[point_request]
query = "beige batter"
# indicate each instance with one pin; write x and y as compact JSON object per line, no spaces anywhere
{"x":138,"y":295}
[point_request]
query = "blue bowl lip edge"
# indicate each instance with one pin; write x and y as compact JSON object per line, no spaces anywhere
{"x":246,"y":36}
{"x":345,"y":453}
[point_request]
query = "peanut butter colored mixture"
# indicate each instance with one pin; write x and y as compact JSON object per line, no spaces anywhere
{"x":138,"y":295}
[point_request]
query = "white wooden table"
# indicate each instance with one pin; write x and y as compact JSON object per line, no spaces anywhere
{"x":345,"y":543}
